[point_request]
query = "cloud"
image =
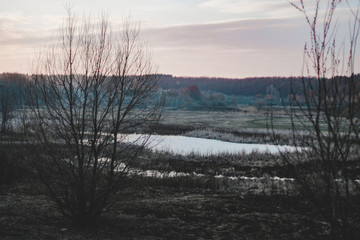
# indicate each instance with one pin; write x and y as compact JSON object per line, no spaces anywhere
{"x":259,"y":34}
{"x":246,"y":6}
{"x":233,"y":49}
{"x":20,"y":30}
{"x":21,"y":38}
{"x":13,"y":37}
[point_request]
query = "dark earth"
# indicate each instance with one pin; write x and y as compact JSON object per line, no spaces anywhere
{"x":149,"y":210}
{"x":168,"y":208}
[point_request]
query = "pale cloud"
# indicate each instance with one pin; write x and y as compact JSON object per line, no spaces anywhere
{"x":232,"y":49}
{"x":243,"y":34}
{"x":21,"y":36}
{"x":260,"y":8}
{"x":232,"y":38}
{"x":17,"y":29}
{"x":255,"y":9}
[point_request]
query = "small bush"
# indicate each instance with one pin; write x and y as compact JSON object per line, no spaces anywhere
{"x":13,"y":166}
{"x":7,"y":168}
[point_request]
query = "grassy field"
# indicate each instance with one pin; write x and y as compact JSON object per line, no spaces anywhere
{"x":247,"y":118}
{"x":188,"y":207}
{"x":215,"y":119}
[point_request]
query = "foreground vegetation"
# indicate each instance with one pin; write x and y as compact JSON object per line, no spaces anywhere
{"x":154,"y":209}
{"x":184,"y":207}
{"x":82,"y":168}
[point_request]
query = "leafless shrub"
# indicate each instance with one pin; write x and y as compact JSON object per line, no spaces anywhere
{"x":325,"y":125}
{"x":91,"y":86}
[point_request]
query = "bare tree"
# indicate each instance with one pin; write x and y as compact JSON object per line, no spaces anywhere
{"x":326,"y":124}
{"x":92,"y":86}
{"x":5,"y":107}
{"x":11,"y":97}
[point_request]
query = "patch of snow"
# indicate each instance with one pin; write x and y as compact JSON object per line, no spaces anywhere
{"x":187,"y":145}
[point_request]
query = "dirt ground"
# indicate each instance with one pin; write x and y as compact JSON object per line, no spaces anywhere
{"x":150,"y":210}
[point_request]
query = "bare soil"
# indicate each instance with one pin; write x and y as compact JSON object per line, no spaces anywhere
{"x":148,"y":209}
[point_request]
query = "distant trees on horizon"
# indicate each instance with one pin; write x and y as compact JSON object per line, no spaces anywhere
{"x":207,"y":91}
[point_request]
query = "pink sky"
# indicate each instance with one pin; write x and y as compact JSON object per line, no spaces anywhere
{"x":219,"y":38}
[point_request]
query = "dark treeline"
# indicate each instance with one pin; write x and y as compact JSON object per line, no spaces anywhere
{"x":13,"y":87}
{"x":229,"y":86}
{"x":13,"y":79}
{"x":245,"y":87}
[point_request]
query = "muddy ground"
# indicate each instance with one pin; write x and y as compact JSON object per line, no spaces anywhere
{"x":150,"y":209}
{"x":168,"y":208}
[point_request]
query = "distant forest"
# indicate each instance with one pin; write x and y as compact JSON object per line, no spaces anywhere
{"x":196,"y":93}
{"x":243,"y":87}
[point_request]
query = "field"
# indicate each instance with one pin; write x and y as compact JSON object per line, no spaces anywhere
{"x":155,"y":209}
{"x":99,"y":141}
{"x":246,"y":118}
{"x":246,"y":195}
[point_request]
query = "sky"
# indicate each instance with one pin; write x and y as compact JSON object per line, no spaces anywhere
{"x":212,"y":38}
